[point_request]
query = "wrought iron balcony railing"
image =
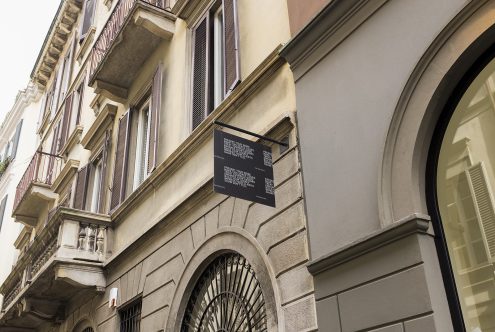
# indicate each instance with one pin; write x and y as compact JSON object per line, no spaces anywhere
{"x":43,"y":169}
{"x":113,"y":26}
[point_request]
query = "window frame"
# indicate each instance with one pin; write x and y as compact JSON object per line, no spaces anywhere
{"x":93,"y":191}
{"x":141,"y":151}
{"x":137,"y":302}
{"x":431,"y":174}
{"x":216,"y":89}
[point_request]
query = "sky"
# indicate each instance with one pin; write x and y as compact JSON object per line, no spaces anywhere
{"x":23,"y":28}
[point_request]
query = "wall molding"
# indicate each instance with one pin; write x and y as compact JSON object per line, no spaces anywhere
{"x":413,"y":224}
{"x":326,"y":31}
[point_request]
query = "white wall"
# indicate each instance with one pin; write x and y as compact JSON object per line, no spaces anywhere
{"x":27,"y":107}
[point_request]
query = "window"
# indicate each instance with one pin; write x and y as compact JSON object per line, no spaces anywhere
{"x":77,"y":106}
{"x":94,"y":184}
{"x":66,"y":73}
{"x":130,"y":317}
{"x":3,"y":204}
{"x":137,"y":143}
{"x":215,"y":59}
{"x":16,"y":139}
{"x":87,"y":20}
{"x":90,"y":188}
{"x":227,"y":297}
{"x":464,"y":183}
{"x":140,"y":132}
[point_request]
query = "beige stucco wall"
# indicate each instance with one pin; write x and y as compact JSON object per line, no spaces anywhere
{"x":165,"y":225}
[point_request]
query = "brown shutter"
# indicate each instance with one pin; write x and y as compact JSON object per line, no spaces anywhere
{"x":81,"y":188}
{"x":89,"y":9}
{"x":120,"y":170}
{"x":201,"y":73}
{"x":103,"y":182}
{"x":53,"y":148}
{"x":231,"y":42}
{"x":44,"y":104}
{"x":49,"y":103}
{"x":53,"y":151}
{"x":156,"y":102}
{"x":66,"y":121}
{"x":80,"y":104}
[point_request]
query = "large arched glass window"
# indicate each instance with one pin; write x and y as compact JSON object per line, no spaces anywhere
{"x":465,"y":180}
{"x":226,"y":298}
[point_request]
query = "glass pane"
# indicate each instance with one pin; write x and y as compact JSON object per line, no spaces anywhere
{"x":465,"y":180}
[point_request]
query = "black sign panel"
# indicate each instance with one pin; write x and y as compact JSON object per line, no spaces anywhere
{"x":243,"y":169}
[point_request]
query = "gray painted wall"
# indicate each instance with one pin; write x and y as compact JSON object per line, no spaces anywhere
{"x":348,"y":86}
{"x":345,"y":105}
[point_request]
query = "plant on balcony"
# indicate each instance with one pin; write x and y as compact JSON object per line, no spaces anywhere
{"x":4,"y":164}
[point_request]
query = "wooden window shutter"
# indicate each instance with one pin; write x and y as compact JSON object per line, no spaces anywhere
{"x":89,"y":10}
{"x":80,"y":103}
{"x":483,"y":199}
{"x":120,"y":169}
{"x":44,"y":107}
{"x":55,"y":139}
{"x":81,"y":188}
{"x":51,"y":96}
{"x":103,"y":182}
{"x":201,"y":73}
{"x":2,"y":210}
{"x":16,"y":139}
{"x":156,"y":102}
{"x":231,"y":38}
{"x":53,"y":151}
{"x":66,"y":121}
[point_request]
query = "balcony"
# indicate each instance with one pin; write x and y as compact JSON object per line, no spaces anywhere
{"x":64,"y":260}
{"x":132,"y":33}
{"x":34,"y":189}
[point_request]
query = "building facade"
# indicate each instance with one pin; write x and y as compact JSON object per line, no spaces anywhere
{"x":123,"y":228}
{"x":396,"y":118}
{"x":18,"y":142}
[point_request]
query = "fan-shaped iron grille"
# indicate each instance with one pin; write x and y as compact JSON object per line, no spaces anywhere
{"x":227,"y":298}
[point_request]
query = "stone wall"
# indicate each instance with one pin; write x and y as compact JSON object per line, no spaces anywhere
{"x":275,"y":239}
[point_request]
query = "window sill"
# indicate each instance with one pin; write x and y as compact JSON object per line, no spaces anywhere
{"x":88,"y":40}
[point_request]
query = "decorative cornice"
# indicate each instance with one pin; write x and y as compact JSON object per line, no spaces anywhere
{"x":23,"y":99}
{"x":326,"y":31}
{"x":55,"y":41}
{"x":190,"y":10}
{"x":414,"y":224}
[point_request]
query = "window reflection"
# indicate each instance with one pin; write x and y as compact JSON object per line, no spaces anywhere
{"x":465,"y":182}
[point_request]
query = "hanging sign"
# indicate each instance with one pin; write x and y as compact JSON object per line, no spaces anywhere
{"x":243,"y":169}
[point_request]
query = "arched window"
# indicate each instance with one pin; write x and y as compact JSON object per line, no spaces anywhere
{"x":227,"y":297}
{"x":464,"y":182}
{"x":83,"y":327}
